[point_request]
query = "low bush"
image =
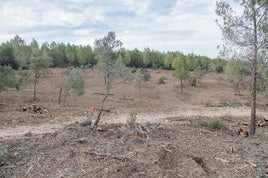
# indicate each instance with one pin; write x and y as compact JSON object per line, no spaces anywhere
{"x":217,"y":124}
{"x":161,"y":80}
{"x":192,"y":81}
{"x":131,"y":119}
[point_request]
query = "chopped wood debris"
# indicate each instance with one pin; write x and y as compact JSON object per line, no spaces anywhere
{"x":34,"y":109}
{"x":243,"y":133}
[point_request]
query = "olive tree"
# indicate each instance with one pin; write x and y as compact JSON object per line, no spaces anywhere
{"x":139,"y":77}
{"x":108,"y":65}
{"x":73,"y":82}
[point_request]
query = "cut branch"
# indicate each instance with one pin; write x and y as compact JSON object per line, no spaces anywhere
{"x":103,"y":156}
{"x":97,"y":93}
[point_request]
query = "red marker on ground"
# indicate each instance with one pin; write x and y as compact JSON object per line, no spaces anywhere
{"x":93,"y":108}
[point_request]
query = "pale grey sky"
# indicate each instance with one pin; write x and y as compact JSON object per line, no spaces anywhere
{"x":164,"y":25}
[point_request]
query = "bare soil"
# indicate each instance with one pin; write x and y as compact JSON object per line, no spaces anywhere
{"x":52,"y":143}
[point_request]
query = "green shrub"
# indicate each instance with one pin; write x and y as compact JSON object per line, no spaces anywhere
{"x":131,"y":119}
{"x":216,"y":123}
{"x":7,"y":77}
{"x":73,"y":82}
{"x":192,"y":81}
{"x":161,"y":80}
{"x":146,"y":74}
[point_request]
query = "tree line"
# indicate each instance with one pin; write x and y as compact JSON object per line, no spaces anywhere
{"x":16,"y":56}
{"x":16,"y":53}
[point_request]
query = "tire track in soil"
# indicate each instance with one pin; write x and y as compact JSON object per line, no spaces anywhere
{"x":24,"y":131}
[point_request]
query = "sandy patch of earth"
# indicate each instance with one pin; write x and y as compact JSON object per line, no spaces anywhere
{"x":153,"y":117}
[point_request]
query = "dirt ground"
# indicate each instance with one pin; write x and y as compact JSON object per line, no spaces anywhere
{"x":51,"y":143}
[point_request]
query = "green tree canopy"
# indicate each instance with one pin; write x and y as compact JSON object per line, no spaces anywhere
{"x":247,"y":32}
{"x":86,"y":56}
{"x":181,"y":71}
{"x":7,"y":78}
{"x":73,"y":82}
{"x":39,"y":63}
{"x":108,"y":65}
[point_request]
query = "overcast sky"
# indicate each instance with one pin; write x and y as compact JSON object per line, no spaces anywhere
{"x":164,"y":25}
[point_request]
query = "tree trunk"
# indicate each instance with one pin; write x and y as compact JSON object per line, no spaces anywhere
{"x":35,"y":83}
{"x":254,"y":78}
{"x":105,"y":80}
{"x":253,"y":100}
{"x":60,"y":95}
{"x":101,"y":110}
{"x":181,"y":86}
{"x":140,"y":90}
{"x":64,"y":95}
